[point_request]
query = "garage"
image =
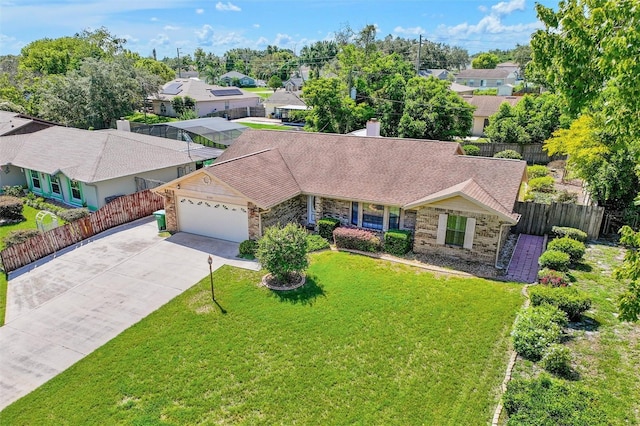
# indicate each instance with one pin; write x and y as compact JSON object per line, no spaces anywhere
{"x":213,"y":219}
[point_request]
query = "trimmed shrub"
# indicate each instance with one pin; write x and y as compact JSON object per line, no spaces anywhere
{"x":19,"y":236}
{"x":71,"y":215}
{"x":11,"y":208}
{"x":248,"y":248}
{"x":508,"y":153}
{"x":548,"y":401}
{"x":471,"y":150}
{"x":557,"y":360}
{"x":566,"y":231}
{"x":316,"y":242}
{"x":566,"y":197}
{"x":537,"y":171}
{"x":574,"y":248}
{"x":14,"y":191}
{"x":535,"y":329}
{"x":356,"y":239}
{"x":552,"y":278}
{"x":542,"y":184}
{"x":570,"y":300}
{"x":397,"y":242}
{"x":555,"y":260}
{"x":326,"y":226}
{"x":283,"y":251}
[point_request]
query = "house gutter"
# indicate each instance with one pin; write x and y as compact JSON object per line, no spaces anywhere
{"x":499,"y":244}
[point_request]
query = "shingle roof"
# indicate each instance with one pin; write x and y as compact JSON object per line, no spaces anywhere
{"x":92,"y":156}
{"x":389,"y":171}
{"x":200,"y":91}
{"x":484,"y":73}
{"x":285,"y":97}
{"x":489,"y":105}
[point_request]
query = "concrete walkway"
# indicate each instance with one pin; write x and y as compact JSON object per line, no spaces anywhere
{"x":524,"y":262}
{"x":66,"y":307}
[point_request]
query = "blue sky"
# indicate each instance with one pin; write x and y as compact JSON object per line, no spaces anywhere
{"x":218,"y":26}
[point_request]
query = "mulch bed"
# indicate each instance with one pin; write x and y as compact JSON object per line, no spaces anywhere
{"x":295,"y":281}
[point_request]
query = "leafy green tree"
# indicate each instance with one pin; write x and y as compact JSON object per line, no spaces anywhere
{"x":485,"y":61}
{"x":275,"y":82}
{"x":332,"y":111}
{"x":629,"y":301}
{"x":432,"y":111}
{"x":318,"y":54}
{"x":57,"y":56}
{"x":157,"y":68}
{"x":283,"y":251}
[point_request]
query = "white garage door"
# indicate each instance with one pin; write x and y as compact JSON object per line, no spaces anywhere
{"x":213,"y":219}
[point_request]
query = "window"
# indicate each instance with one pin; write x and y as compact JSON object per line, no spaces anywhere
{"x":456,"y":226}
{"x":35,"y":180}
{"x":372,"y":216}
{"x":163,"y":109}
{"x":483,"y":83}
{"x":354,"y":213}
{"x":394,"y":217}
{"x":76,"y":194}
{"x":55,"y":185}
{"x":498,"y":82}
{"x":471,"y":83}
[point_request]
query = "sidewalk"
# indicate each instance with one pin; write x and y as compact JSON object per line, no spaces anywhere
{"x":524,"y":262}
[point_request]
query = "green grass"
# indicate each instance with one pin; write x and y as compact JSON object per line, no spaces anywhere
{"x":263,"y":92}
{"x":364,"y":342}
{"x":266,"y":126}
{"x":606,"y":352}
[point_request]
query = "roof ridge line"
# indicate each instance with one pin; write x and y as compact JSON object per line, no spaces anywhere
{"x":245,"y":156}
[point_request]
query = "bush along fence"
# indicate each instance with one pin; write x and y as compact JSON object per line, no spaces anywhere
{"x":539,"y":219}
{"x":120,"y":211}
{"x":531,"y":153}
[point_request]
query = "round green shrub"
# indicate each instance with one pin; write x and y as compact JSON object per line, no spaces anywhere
{"x":315,"y":243}
{"x":570,"y":300}
{"x":508,"y":153}
{"x":557,"y":359}
{"x":537,"y":171}
{"x":71,"y":215}
{"x":248,"y":248}
{"x":552,"y":278}
{"x":542,"y":184}
{"x":283,"y":251}
{"x":535,"y":329}
{"x":575,"y":249}
{"x":471,"y":150}
{"x":555,"y":260}
{"x":566,"y":231}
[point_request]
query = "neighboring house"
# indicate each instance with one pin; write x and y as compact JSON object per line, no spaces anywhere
{"x":294,"y":84}
{"x":456,"y":205}
{"x":283,"y":101}
{"x":243,"y":80}
{"x":461,"y":89}
{"x":209,"y":98}
{"x":14,"y":123}
{"x":87,"y":168}
{"x":486,"y":106}
{"x":437,"y":73}
{"x":512,"y":67}
{"x":485,"y":78}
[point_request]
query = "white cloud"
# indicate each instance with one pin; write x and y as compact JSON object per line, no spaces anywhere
{"x":130,"y":38}
{"x":160,"y":40}
{"x":228,"y":7}
{"x":482,"y":8}
{"x":170,"y":28}
{"x":409,"y":31}
{"x":505,"y":8}
{"x":154,"y":19}
{"x":256,"y":25}
{"x":283,"y":39}
{"x":199,"y":11}
{"x":262,"y":41}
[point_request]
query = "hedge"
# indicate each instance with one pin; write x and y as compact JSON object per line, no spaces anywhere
{"x":356,"y":239}
{"x":535,"y":329}
{"x":19,"y":236}
{"x":537,"y":171}
{"x":542,"y":184}
{"x":326,"y":226}
{"x":11,"y":208}
{"x":471,"y":150}
{"x":565,"y":231}
{"x":554,"y":259}
{"x":508,"y":153}
{"x":72,"y":215}
{"x":568,"y":299}
{"x":574,"y":248}
{"x":248,"y":248}
{"x":316,"y":242}
{"x":397,"y":242}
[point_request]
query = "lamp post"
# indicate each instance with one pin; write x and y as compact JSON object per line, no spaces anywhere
{"x":210,"y":262}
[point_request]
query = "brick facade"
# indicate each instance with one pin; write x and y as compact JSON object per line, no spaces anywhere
{"x":337,"y":209}
{"x":253,"y":213}
{"x":293,"y":210}
{"x":485,"y":241}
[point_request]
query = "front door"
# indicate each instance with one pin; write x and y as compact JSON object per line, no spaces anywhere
{"x":311,"y":210}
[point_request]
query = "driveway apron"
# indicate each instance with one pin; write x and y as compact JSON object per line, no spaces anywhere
{"x":62,"y":308}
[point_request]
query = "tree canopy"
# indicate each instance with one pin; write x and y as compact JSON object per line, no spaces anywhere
{"x":485,"y":61}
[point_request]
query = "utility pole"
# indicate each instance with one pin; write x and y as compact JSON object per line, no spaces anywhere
{"x":419,"y":49}
{"x":179,"y":64}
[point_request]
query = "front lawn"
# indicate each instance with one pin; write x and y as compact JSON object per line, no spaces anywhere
{"x":365,"y":342}
{"x":266,"y":126}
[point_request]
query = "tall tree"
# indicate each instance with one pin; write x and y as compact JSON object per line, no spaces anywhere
{"x":485,"y":61}
{"x":332,"y":111}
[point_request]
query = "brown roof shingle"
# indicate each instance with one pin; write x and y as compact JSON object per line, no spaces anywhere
{"x":489,"y":105}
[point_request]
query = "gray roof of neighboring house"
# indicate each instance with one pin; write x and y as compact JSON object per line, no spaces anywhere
{"x":12,"y":122}
{"x":200,"y":91}
{"x":489,"y":105}
{"x":235,"y":74}
{"x":459,"y":88}
{"x":286,"y":97}
{"x":93,"y":156}
{"x":484,"y":73}
{"x":269,"y":167}
{"x":298,"y":81}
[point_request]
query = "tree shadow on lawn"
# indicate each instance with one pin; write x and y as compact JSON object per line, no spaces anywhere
{"x":305,"y":295}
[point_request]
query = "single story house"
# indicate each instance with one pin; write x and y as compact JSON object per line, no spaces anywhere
{"x":88,"y":168}
{"x":440,"y":74}
{"x":511,"y":67}
{"x":209,"y":98}
{"x":461,"y":89}
{"x":243,"y":80}
{"x":454,"y":204}
{"x":283,"y":100}
{"x":294,"y":84}
{"x":486,"y":106}
{"x":485,"y":78}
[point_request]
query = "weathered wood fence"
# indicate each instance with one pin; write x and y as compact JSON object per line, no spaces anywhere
{"x":121,"y":210}
{"x":538,"y":219}
{"x":531,"y":153}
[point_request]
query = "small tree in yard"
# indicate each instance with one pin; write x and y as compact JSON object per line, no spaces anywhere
{"x":275,"y":82}
{"x":283,"y":251}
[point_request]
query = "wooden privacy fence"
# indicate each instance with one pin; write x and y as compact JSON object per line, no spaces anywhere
{"x":538,"y":219}
{"x":531,"y":153}
{"x":121,"y":210}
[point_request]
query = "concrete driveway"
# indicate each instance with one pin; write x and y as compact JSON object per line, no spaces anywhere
{"x":61,"y":309}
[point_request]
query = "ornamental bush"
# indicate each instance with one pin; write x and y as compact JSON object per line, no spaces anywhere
{"x":20,"y":236}
{"x":248,"y":248}
{"x":552,"y":278}
{"x":508,"y":153}
{"x":11,"y":208}
{"x":71,"y":215}
{"x":536,"y":328}
{"x":471,"y":150}
{"x":316,"y":242}
{"x":555,"y":260}
{"x":14,"y":191}
{"x":356,"y":239}
{"x":326,"y":226}
{"x":542,"y":184}
{"x":283,"y":251}
{"x":557,"y":360}
{"x":574,"y":248}
{"x":397,"y":242}
{"x":537,"y":171}
{"x":566,"y":231}
{"x":568,"y":299}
